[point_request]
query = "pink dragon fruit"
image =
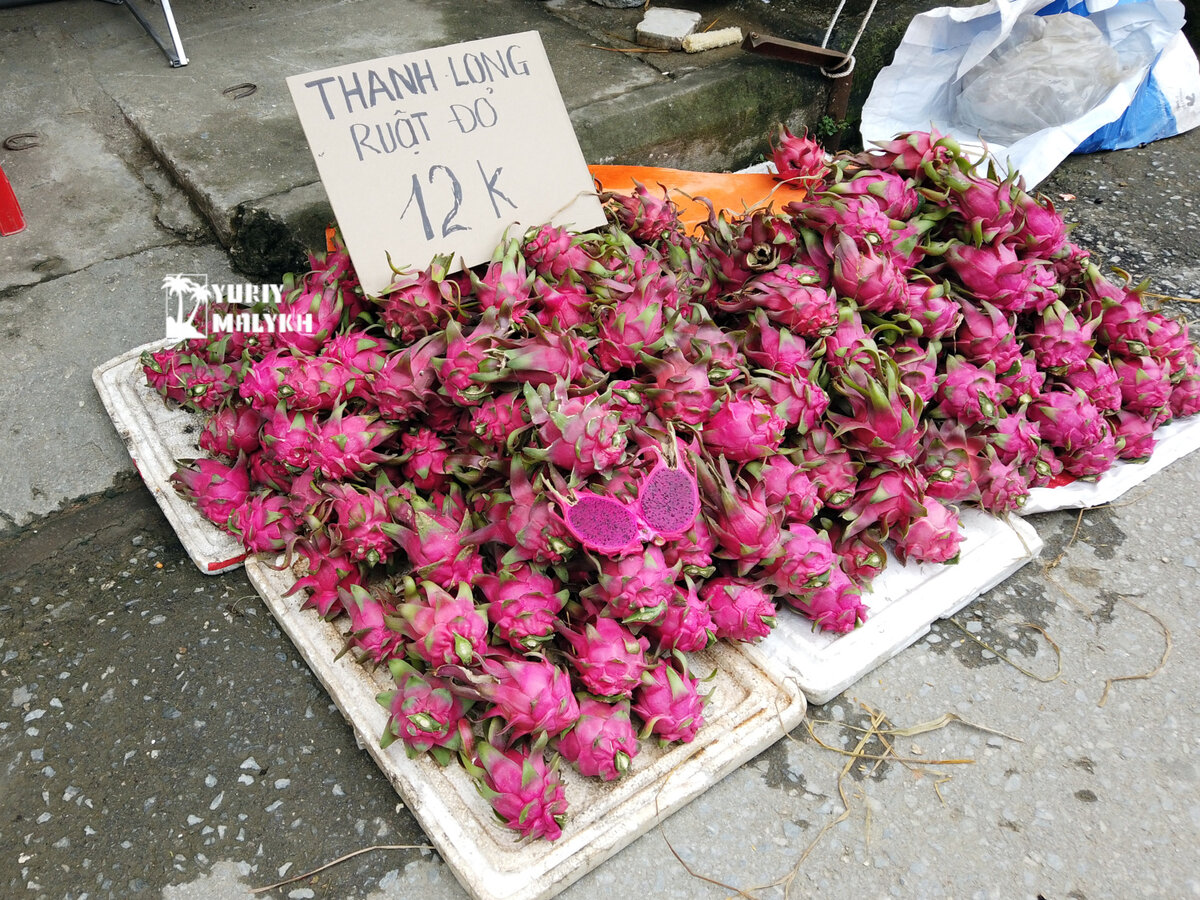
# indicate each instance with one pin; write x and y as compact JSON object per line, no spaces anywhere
{"x":744,"y":524}
{"x":888,"y":499}
{"x":1133,"y":433}
{"x":1067,"y":419}
{"x":1098,"y":380}
{"x":927,"y":311}
{"x":805,"y":563}
{"x":987,"y":335}
{"x":524,"y":522}
{"x":324,"y":573}
{"x":530,"y":696}
{"x":829,"y":466}
{"x":344,"y":446}
{"x":167,"y":372}
{"x":369,"y":631}
{"x":694,"y":549}
{"x":861,"y":556}
{"x":562,"y":305}
{"x":583,"y":434}
{"x":419,"y":303}
{"x":687,"y":625}
{"x":360,"y":522}
{"x":442,"y":629}
{"x":741,"y":610}
{"x":635,"y":588}
{"x":314,"y":297}
{"x":1040,"y":230}
{"x":439,"y":544}
{"x":777,"y":349}
{"x":1185,"y":396}
{"x":265,"y":523}
{"x":798,"y":158}
{"x":404,"y":385}
{"x":423,"y":459}
{"x":1094,"y":459}
{"x":869,"y":278}
{"x":506,"y":285}
{"x":836,"y":606}
{"x":525,"y":794}
{"x":362,"y":353}
{"x":1061,"y":343}
{"x":1145,"y":384}
{"x":317,"y":382}
{"x":603,"y":742}
{"x":607,"y":656}
{"x":744,"y":428}
{"x":553,"y":252}
{"x":636,"y":323}
{"x":470,"y":361}
{"x":523,"y":605}
{"x":500,"y":418}
{"x":289,"y":438}
{"x":984,"y":207}
{"x":890,"y":192}
{"x":547,"y":357}
{"x":1016,"y":439}
{"x":1168,"y":342}
{"x":231,"y":430}
{"x":967,"y":392}
{"x":790,"y":295}
{"x":884,"y":423}
{"x":423,"y":714}
{"x":1003,"y":487}
{"x":788,"y":487}
{"x":918,"y":153}
{"x":644,"y":216}
{"x":797,"y":399}
{"x":682,"y":390}
{"x":994,"y":273}
{"x":1023,"y":383}
{"x":849,"y":342}
{"x":932,"y":538}
{"x":669,"y":702}
{"x":948,"y":462}
{"x":217,"y":489}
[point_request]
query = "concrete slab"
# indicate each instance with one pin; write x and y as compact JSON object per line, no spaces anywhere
{"x":665,"y":28}
{"x":57,"y":440}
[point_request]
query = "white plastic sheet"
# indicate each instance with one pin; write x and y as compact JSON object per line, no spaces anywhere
{"x":922,"y":87}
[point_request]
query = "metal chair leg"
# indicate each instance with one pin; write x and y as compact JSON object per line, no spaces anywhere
{"x":174,"y":51}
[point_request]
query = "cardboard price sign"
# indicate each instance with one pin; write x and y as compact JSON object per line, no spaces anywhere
{"x":442,"y":151}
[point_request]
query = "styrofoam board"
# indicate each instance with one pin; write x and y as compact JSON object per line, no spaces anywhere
{"x":1174,"y":441}
{"x":904,"y":601}
{"x":749,"y":708}
{"x":157,"y":437}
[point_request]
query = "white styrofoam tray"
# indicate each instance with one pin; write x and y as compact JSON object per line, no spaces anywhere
{"x":1173,"y":441}
{"x":157,"y":437}
{"x":903,"y":603}
{"x":748,"y":709}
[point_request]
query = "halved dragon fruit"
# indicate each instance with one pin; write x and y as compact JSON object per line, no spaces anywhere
{"x":669,"y":501}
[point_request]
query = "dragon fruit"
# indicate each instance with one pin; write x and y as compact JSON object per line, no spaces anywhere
{"x":927,"y":311}
{"x":525,"y":793}
{"x":603,"y":742}
{"x":317,"y":382}
{"x":931,"y":538}
{"x":523,"y":605}
{"x":369,"y":631}
{"x":217,"y":489}
{"x":635,"y":588}
{"x":740,"y":609}
{"x":871,"y":279}
{"x":805,"y":562}
{"x":1060,"y":342}
{"x":439,"y":543}
{"x":505,"y":285}
{"x":967,"y":392}
{"x":744,"y":428}
{"x":646,"y":217}
{"x":423,"y":713}
{"x":562,"y":306}
{"x":774,"y":348}
{"x":996,"y":274}
{"x":1067,"y":419}
{"x":798,"y":158}
{"x":360,"y":522}
{"x":790,"y":295}
{"x":886,"y":498}
{"x":829,"y":467}
{"x":746,"y":528}
{"x":265,"y":523}
{"x":324,"y":574}
{"x":1145,"y":384}
{"x":442,"y":629}
{"x":500,"y":418}
{"x":835,"y":606}
{"x":1003,"y":486}
{"x":987,"y":335}
{"x":669,"y":702}
{"x":686,"y":626}
{"x":985,"y":207}
{"x":884,"y":422}
{"x":682,"y":390}
{"x":344,"y":446}
{"x":889,"y":191}
{"x":788,"y":487}
{"x":416,"y":304}
{"x":607,"y":656}
{"x":926,"y":154}
{"x":1134,"y":434}
{"x":530,"y":696}
{"x":634,"y":324}
{"x":423,"y":459}
{"x":554,"y":251}
{"x":231,"y":430}
{"x":583,"y":434}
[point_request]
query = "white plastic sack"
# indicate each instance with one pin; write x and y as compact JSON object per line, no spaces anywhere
{"x":951,"y":49}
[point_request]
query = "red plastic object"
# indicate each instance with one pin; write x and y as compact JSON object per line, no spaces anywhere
{"x":12,"y":219}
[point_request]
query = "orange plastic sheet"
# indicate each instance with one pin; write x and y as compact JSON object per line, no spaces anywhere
{"x":735,"y":192}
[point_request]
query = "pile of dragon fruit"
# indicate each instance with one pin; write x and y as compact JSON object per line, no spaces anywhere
{"x":534,"y":486}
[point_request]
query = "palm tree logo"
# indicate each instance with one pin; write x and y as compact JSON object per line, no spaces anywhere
{"x":194,"y":287}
